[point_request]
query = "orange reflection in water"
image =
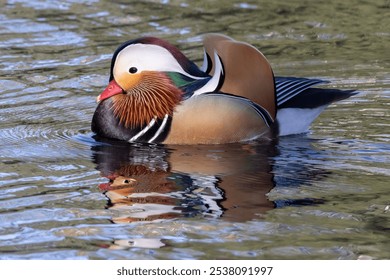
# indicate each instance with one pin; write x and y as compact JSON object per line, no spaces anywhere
{"x":153,"y":183}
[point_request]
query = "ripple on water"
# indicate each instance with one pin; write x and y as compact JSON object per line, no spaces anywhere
{"x":38,"y":34}
{"x":43,"y":142}
{"x":53,"y":4}
{"x":9,"y":85}
{"x":37,"y":122}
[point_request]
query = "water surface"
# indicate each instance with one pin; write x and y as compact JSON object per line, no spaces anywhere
{"x":66,"y":195}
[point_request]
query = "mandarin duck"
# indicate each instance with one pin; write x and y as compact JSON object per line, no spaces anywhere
{"x":157,"y":95}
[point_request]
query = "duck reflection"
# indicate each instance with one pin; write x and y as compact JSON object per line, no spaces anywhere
{"x":155,"y":182}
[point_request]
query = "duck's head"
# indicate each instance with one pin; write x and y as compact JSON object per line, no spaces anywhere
{"x":147,"y":80}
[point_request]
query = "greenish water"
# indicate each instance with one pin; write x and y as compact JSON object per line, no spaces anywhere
{"x":321,"y":195}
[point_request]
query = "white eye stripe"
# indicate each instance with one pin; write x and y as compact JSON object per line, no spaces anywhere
{"x":147,"y":58}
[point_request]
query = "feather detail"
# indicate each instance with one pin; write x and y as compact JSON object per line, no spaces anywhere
{"x":289,"y":87}
{"x":155,"y":96}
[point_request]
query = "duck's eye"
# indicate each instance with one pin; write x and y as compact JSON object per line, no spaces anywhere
{"x":133,"y":70}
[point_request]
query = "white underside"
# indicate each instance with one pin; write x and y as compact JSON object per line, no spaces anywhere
{"x":295,"y":120}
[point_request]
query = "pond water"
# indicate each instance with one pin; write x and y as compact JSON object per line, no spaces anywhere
{"x":66,"y":195}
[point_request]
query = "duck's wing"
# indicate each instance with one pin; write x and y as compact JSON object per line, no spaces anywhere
{"x":294,"y":92}
{"x":210,"y":42}
{"x":289,"y":87}
{"x":215,"y":118}
{"x":247,"y":72}
{"x":299,"y":104}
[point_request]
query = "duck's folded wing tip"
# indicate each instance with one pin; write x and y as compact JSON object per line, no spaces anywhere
{"x":316,"y":97}
{"x":289,"y":87}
